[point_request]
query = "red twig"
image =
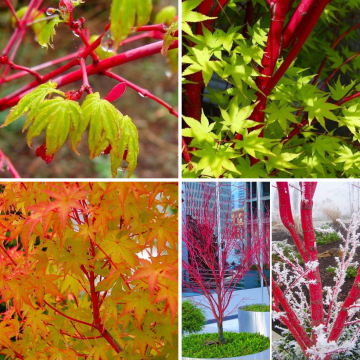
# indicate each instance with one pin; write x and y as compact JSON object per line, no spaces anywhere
{"x":86,"y":85}
{"x":186,"y":154}
{"x":9,"y":165}
{"x":10,"y":6}
{"x":68,"y":317}
{"x":338,"y":68}
{"x":92,"y":69}
{"x":6,"y":253}
{"x":5,"y":60}
{"x":41,"y":66}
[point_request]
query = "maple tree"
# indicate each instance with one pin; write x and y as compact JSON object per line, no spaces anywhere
{"x":88,"y":270}
{"x":59,"y":112}
{"x":271,"y":88}
{"x":208,"y":249}
{"x":317,"y":325}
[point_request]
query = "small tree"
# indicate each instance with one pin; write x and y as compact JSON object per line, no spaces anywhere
{"x":321,"y":325}
{"x":210,"y":237}
{"x":88,"y":270}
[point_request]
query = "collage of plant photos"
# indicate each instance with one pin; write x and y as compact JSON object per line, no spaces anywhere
{"x":179,"y":180}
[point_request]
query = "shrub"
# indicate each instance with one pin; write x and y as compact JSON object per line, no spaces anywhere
{"x":330,"y":269}
{"x":351,"y":272}
{"x":193,"y":317}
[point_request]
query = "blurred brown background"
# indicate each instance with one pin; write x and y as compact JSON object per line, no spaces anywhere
{"x":158,"y":130}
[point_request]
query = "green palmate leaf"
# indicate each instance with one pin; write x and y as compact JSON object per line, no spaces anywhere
{"x":283,"y":115}
{"x":200,"y":130}
{"x":351,"y":119}
{"x":104,"y":119}
{"x":236,"y":117}
{"x":325,"y":145}
{"x":313,"y":165}
{"x":217,"y":158}
{"x":250,"y":171}
{"x":249,"y":53}
{"x":31,"y":101}
{"x":258,"y":34}
{"x":253,"y":144}
{"x":59,"y":116}
{"x":127,"y":13}
{"x":281,"y":160}
{"x":338,"y":91}
{"x":347,"y":157}
{"x":46,"y":35}
{"x":128,"y":141}
{"x":320,"y":109}
{"x":191,"y":16}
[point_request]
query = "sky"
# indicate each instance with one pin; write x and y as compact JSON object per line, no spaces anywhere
{"x":338,"y":192}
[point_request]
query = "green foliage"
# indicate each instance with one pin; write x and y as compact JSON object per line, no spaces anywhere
{"x":61,"y":117}
{"x":327,"y":143}
{"x":325,"y":238}
{"x":330,"y":269}
{"x":169,"y":37}
{"x":127,"y":13}
{"x":256,"y":308}
{"x":166,"y":15}
{"x":193,"y":317}
{"x":46,"y":35}
{"x":287,"y":250}
{"x":351,"y":272}
{"x":236,"y":344}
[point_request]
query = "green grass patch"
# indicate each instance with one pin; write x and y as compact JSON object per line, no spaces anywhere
{"x":330,"y":269}
{"x":237,"y":344}
{"x":326,"y":238}
{"x":256,"y":307}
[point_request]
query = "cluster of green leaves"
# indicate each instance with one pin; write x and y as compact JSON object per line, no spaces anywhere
{"x":287,"y":249}
{"x":351,"y":272}
{"x":63,"y":117}
{"x":237,"y":344}
{"x":325,"y":238}
{"x":256,"y":308}
{"x":326,"y":146}
{"x":330,"y":269}
{"x":82,"y":249}
{"x":193,"y":317}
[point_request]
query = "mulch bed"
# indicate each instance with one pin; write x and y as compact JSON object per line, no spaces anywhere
{"x":327,"y":279}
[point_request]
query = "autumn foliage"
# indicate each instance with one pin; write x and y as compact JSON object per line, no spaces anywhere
{"x":88,"y":270}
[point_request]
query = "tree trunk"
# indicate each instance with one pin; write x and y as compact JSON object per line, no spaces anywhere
{"x":221,"y":333}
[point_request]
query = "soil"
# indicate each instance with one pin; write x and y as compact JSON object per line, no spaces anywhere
{"x":327,"y":279}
